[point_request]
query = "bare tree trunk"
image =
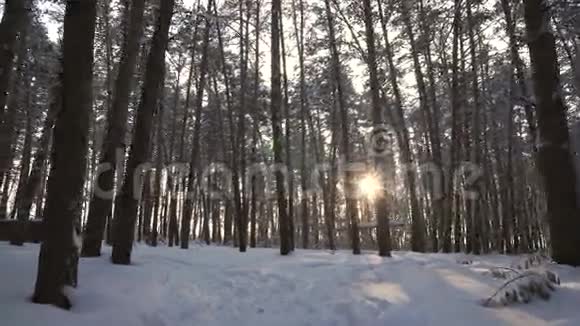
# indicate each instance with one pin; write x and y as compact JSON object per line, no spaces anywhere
{"x":253,"y":200}
{"x":276,"y":101}
{"x":206,"y":216}
{"x":432,"y":129}
{"x":228,"y":222}
{"x":287,"y":145}
{"x":240,"y":162}
{"x":473,"y":204}
{"x":157,"y":196}
{"x":383,"y":233}
{"x":8,"y":116}
{"x":190,"y":81}
{"x":299,"y":35}
{"x":555,"y":161}
{"x":445,"y":225}
{"x":15,"y":21}
{"x":518,"y":64}
{"x":58,"y":259}
{"x":155,"y":72}
{"x":176,"y":176}
{"x":195,"y":152}
{"x":19,"y":235}
{"x":345,"y":143}
{"x":148,"y":204}
{"x":100,"y":206}
{"x":37,"y":174}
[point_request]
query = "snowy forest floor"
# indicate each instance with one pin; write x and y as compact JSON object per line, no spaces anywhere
{"x":219,"y":286}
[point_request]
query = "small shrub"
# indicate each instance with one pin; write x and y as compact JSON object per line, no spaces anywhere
{"x":522,"y":285}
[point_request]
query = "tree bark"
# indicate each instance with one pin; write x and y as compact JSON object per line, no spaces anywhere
{"x":195,"y":152}
{"x":254,"y":199}
{"x":473,"y":203}
{"x":381,"y":208}
{"x":58,"y":259}
{"x":19,"y":235}
{"x":9,"y":116}
{"x":299,"y":35}
{"x":100,"y":206}
{"x":124,"y":224}
{"x":15,"y":21}
{"x":555,"y":161}
{"x":241,"y":208}
{"x":518,"y":65}
{"x":433,"y":132}
{"x":345,"y":143}
{"x":157,"y":196}
{"x":275,"y":108}
{"x":445,"y":225}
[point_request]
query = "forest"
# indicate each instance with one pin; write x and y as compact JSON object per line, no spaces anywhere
{"x":444,"y":128}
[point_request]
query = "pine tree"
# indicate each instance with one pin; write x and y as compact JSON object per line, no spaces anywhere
{"x":128,"y":201}
{"x":555,"y":161}
{"x":101,"y":203}
{"x":58,"y":259}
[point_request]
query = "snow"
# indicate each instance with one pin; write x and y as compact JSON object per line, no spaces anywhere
{"x":220,"y":286}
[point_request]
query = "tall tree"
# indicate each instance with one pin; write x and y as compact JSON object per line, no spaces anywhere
{"x":124,"y":224}
{"x":100,"y":206}
{"x":377,"y":119}
{"x":473,"y":204}
{"x":431,"y":125}
{"x":275,"y":109}
{"x":345,"y":142}
{"x":518,"y":66}
{"x":58,"y":259}
{"x":195,"y":153}
{"x":254,"y":188}
{"x":37,"y":173}
{"x":298,"y":20}
{"x":555,"y":160}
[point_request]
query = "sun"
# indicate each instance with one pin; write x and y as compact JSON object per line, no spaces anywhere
{"x":369,"y":186}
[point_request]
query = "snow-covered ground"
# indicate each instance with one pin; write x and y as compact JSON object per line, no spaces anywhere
{"x":221,"y":287}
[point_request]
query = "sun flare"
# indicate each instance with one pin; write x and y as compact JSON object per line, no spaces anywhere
{"x":369,"y":186}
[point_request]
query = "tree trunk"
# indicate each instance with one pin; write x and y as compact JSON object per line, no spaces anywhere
{"x":240,"y":162}
{"x":8,"y":116}
{"x":433,"y":132}
{"x":518,"y":65}
{"x":287,"y":145}
{"x":190,"y":80}
{"x":555,"y":161}
{"x":234,"y":148}
{"x":275,"y":103}
{"x":195,"y":152}
{"x":445,"y":225}
{"x":157,"y":196}
{"x":473,"y":202}
{"x":101,"y":205}
{"x":19,"y":235}
{"x":345,"y":143}
{"x":154,"y":76}
{"x":254,"y":199}
{"x":37,"y":174}
{"x":299,"y":35}
{"x":58,"y":259}
{"x":381,"y":208}
{"x":15,"y":21}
